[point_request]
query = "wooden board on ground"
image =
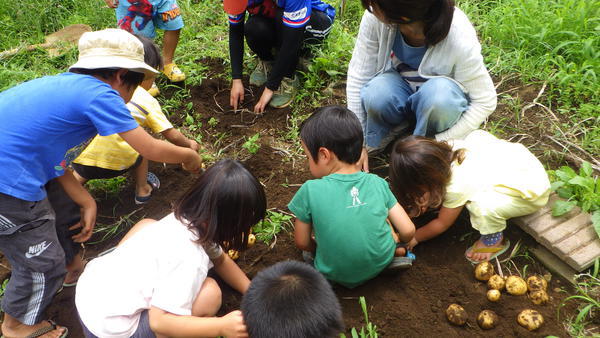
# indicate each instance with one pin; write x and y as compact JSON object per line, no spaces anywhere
{"x":56,"y":42}
{"x":571,"y":237}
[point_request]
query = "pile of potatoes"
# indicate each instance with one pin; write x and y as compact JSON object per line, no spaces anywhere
{"x":536,"y":287}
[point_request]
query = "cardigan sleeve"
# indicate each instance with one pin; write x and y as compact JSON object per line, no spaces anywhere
{"x":472,"y":74}
{"x":363,"y":64}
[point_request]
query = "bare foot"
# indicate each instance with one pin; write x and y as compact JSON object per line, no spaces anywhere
{"x":482,"y":256}
{"x":14,"y":328}
{"x":75,"y":269}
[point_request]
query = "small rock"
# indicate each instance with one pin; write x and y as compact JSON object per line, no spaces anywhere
{"x":557,"y":289}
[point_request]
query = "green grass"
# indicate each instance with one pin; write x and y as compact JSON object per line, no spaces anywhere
{"x":587,"y":297}
{"x":553,"y":41}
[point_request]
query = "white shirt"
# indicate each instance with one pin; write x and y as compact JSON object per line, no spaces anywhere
{"x":159,"y":266}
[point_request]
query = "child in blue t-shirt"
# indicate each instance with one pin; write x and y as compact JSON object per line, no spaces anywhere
{"x":44,"y":121}
{"x":346,"y":209}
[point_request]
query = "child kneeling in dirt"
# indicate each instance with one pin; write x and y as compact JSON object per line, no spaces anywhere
{"x":291,"y":299}
{"x":155,"y":281}
{"x":110,"y":156}
{"x":346,"y":208}
{"x":494,"y":179}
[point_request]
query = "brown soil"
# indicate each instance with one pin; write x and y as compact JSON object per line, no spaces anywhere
{"x":411,"y":303}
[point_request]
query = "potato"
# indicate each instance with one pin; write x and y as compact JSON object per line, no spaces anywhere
{"x":536,"y":282}
{"x":456,"y":314}
{"x":234,"y":254}
{"x":483,"y":271}
{"x":487,"y":319}
{"x":515,"y":285}
{"x":530,"y":319}
{"x":538,"y":297}
{"x":496,"y":282}
{"x":493,"y":295}
{"x":251,"y":240}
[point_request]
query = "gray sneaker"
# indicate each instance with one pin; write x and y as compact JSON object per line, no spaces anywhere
{"x":259,"y":75}
{"x":286,"y":92}
{"x":399,"y":130}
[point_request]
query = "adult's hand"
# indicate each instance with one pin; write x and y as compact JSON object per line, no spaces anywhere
{"x":236,"y":95}
{"x":363,"y":162}
{"x":264,"y":100}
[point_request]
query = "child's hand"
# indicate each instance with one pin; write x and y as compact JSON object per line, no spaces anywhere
{"x":233,"y":325}
{"x":112,"y":3}
{"x":194,"y":164}
{"x":194,"y":145}
{"x":87,"y":223}
{"x":265,"y":98}
{"x":236,"y":96}
{"x":413,"y":242}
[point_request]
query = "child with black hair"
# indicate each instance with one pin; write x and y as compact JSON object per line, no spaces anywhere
{"x":110,"y":156}
{"x":347,"y":209}
{"x":154,"y":283}
{"x":267,"y":308}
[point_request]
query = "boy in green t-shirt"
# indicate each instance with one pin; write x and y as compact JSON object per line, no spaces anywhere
{"x":347,"y":209}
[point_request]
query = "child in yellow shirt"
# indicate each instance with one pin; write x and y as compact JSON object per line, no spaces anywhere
{"x":110,"y":156}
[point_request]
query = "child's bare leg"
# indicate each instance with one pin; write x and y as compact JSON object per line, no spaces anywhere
{"x":142,"y":188}
{"x":79,"y":178}
{"x":170,"y":41}
{"x":11,"y":327}
{"x":399,"y":252}
{"x":208,"y":300}
{"x":74,"y":269}
{"x":137,"y":227}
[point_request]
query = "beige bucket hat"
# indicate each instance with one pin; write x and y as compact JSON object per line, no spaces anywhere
{"x":112,"y":48}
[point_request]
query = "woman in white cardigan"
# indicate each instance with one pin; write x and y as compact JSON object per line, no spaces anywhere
{"x":417,"y":64}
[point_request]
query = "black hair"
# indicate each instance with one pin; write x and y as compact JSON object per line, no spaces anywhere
{"x":291,"y":300}
{"x":437,"y":14}
{"x":335,"y":128}
{"x":222,"y":205}
{"x":131,"y":79}
{"x":152,"y":56}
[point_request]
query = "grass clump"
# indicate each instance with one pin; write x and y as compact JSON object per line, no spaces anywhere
{"x":367,"y":331}
{"x":587,"y":295}
{"x":556,"y":42}
{"x":267,"y":230}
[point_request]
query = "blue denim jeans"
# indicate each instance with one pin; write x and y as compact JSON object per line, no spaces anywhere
{"x":389,"y":101}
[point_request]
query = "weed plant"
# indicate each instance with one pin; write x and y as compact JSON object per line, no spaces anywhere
{"x":367,"y":331}
{"x":268,"y":229}
{"x":587,"y":295}
{"x":252,"y":144}
{"x":579,"y":189}
{"x":110,"y":187}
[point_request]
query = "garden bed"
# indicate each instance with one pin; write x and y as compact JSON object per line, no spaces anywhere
{"x":411,"y":303}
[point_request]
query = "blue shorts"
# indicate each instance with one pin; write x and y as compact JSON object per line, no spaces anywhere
{"x":144,"y":16}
